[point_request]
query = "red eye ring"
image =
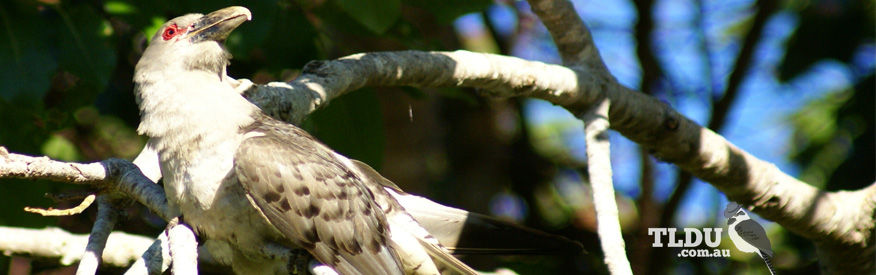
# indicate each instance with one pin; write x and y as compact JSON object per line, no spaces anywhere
{"x":171,"y":31}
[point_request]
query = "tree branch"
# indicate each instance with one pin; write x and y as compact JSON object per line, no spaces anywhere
{"x":63,"y":212}
{"x":599,"y":168}
{"x":571,"y":36}
{"x":113,"y":175}
{"x":121,"y":248}
{"x":100,"y":232}
{"x":154,"y":260}
{"x":183,"y":248}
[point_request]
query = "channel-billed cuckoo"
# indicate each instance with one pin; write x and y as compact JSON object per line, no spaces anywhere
{"x":244,"y":180}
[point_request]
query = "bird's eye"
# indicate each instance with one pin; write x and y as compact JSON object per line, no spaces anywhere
{"x":170,"y":32}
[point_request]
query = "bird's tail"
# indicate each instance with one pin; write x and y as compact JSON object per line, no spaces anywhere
{"x":768,"y":261}
{"x":463,"y":232}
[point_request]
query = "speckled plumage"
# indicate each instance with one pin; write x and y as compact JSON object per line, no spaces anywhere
{"x":312,"y":197}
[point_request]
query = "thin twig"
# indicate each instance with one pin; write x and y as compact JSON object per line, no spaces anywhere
{"x":63,"y":212}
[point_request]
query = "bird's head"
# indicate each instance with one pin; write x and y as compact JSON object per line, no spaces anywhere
{"x":193,"y":42}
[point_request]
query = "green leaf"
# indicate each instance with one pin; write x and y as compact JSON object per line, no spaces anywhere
{"x":353,"y":126}
{"x":376,"y":15}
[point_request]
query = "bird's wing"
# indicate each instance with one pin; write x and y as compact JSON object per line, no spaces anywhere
{"x":464,"y":232}
{"x":314,"y":200}
{"x":751,"y":231}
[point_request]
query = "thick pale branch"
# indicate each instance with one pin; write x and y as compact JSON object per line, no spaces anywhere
{"x":121,"y":248}
{"x":21,"y":166}
{"x":111,"y":174}
{"x":183,"y":248}
{"x":495,"y":75}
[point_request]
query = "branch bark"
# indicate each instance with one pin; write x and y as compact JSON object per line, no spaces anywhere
{"x":100,"y":232}
{"x":121,"y":248}
{"x":111,"y":175}
{"x":599,"y":168}
{"x":183,"y":248}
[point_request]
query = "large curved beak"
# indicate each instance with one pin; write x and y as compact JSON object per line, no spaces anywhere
{"x":218,"y":24}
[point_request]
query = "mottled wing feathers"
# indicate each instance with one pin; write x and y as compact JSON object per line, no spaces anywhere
{"x":314,"y":200}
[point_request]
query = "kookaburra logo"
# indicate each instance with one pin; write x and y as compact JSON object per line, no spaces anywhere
{"x":747,"y":234}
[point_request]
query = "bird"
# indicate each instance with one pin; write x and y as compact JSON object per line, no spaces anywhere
{"x":243,"y":180}
{"x":748,"y":235}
